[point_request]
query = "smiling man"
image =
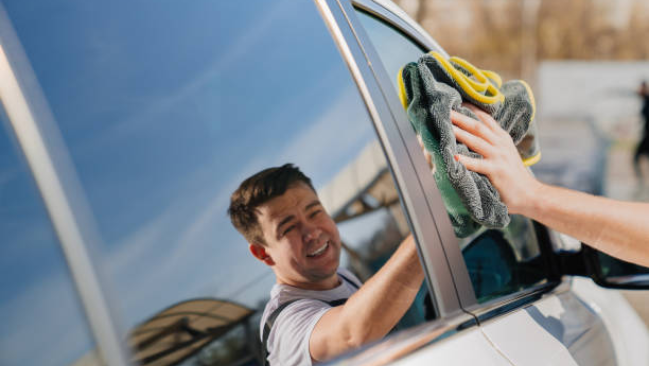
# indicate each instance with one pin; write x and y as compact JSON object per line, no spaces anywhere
{"x":316,"y":310}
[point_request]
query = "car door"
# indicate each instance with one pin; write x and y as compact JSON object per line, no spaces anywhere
{"x":504,"y":277}
{"x":151,"y":119}
{"x":161,"y":115}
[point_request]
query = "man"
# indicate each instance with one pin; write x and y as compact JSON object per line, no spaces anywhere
{"x":643,"y":145}
{"x":615,"y":227}
{"x":278,"y":212}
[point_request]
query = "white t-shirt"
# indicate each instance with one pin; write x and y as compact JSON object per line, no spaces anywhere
{"x":288,"y":341}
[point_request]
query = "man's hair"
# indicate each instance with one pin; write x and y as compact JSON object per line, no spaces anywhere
{"x":257,"y":190}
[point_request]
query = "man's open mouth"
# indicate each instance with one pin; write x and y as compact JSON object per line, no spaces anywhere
{"x":319,"y":250}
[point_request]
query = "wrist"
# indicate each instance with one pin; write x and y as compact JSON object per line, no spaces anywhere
{"x":531,"y":199}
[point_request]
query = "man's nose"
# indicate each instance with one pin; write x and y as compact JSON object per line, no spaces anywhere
{"x":310,"y":231}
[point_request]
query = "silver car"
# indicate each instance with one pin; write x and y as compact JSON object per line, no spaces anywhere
{"x":127,"y":124}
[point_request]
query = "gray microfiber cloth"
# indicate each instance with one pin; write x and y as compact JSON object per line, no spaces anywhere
{"x":429,"y":89}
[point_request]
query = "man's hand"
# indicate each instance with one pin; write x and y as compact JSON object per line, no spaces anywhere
{"x":501,"y":164}
{"x":615,"y":227}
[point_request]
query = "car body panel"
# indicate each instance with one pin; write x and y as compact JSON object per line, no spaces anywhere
{"x":538,"y":347}
{"x":628,"y":332}
{"x":559,"y":330}
{"x":469,"y":348}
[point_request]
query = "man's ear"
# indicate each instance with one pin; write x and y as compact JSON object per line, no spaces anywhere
{"x":259,"y":251}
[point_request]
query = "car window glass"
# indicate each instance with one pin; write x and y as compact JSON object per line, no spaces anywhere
{"x":43,"y":322}
{"x":164,"y":113}
{"x":394,"y":48}
{"x":501,"y":261}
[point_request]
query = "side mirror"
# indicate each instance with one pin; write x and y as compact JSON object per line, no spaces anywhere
{"x":576,"y":258}
{"x":605,"y":270}
{"x":611,"y":272}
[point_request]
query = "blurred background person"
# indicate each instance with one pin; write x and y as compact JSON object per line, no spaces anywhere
{"x":643,"y":145}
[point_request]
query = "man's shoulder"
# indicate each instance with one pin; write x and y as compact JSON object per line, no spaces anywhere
{"x":282,"y":294}
{"x":288,"y":321}
{"x":290,"y":328}
{"x":349,"y":275}
{"x":287,"y":337}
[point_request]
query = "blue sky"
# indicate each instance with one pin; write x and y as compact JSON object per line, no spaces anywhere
{"x":164,"y":109}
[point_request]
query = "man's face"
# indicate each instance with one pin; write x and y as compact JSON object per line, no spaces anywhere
{"x":302,"y":240}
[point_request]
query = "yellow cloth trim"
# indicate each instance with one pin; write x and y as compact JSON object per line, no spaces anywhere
{"x":481,"y":83}
{"x":466,"y":84}
{"x":532,"y":160}
{"x":529,"y":91}
{"x":486,"y":76}
{"x":494,"y":77}
{"x":402,"y":89}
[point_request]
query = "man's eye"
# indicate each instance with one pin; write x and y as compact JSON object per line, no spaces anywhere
{"x":314,"y":213}
{"x":287,"y":230}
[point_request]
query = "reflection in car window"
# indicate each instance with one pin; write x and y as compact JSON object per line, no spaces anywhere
{"x":394,"y":48}
{"x":491,"y":275}
{"x":501,"y":262}
{"x":42,"y":319}
{"x":165,"y":112}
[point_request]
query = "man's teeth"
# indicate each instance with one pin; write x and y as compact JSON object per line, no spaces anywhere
{"x":319,"y":250}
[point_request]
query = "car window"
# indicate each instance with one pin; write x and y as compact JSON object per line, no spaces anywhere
{"x":500,"y":261}
{"x":43,"y":322}
{"x":394,"y":47}
{"x":164,"y":113}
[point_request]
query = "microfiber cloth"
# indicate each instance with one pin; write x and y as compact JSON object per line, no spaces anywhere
{"x":429,"y":89}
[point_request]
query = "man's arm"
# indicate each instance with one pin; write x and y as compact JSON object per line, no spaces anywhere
{"x":374,"y":309}
{"x":618,"y":228}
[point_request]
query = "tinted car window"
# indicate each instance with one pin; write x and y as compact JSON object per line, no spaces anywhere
{"x":500,"y":262}
{"x":165,"y":111}
{"x":42,"y":319}
{"x":504,"y":261}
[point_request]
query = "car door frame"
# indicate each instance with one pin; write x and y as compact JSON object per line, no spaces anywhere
{"x":461,"y":280}
{"x":398,"y":145}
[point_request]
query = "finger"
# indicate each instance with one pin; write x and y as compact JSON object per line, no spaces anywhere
{"x":472,"y":126}
{"x":429,"y":158}
{"x":474,"y":165}
{"x":474,"y":143}
{"x":485,"y":117}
